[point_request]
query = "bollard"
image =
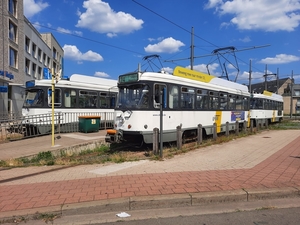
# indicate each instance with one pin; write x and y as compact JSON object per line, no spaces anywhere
{"x":179,"y":137}
{"x":237,"y":128}
{"x":199,"y":134}
{"x":267,"y":124}
{"x":155,"y":141}
{"x":227,"y":129}
{"x":245,"y":126}
{"x":251,"y":126}
{"x":215,"y":132}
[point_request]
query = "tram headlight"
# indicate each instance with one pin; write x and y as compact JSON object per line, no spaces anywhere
{"x":145,"y":126}
{"x":129,"y":126}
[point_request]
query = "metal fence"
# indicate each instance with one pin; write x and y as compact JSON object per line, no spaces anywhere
{"x":31,"y":126}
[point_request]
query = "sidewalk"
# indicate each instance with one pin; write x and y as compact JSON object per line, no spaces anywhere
{"x":66,"y":141}
{"x":264,"y":165}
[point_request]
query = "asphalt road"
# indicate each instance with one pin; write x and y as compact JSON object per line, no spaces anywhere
{"x":284,"y":211}
{"x":289,"y":216}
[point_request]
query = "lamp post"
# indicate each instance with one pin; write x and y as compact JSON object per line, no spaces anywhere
{"x":52,"y":104}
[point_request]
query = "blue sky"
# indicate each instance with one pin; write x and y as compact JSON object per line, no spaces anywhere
{"x":107,"y":38}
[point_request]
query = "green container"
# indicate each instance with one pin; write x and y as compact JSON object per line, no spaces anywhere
{"x":88,"y":124}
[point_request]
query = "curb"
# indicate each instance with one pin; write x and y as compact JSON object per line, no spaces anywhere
{"x":157,"y":202}
{"x":77,"y":148}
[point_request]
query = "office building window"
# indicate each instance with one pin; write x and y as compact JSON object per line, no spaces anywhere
{"x":12,"y":32}
{"x":44,"y":59}
{"x":12,"y":7}
{"x":27,"y":66}
{"x":54,"y":67}
{"x":27,"y":44}
{"x":39,"y":54}
{"x":33,"y":53}
{"x":39,"y":72}
{"x":54,"y":53}
{"x":34,"y":70}
{"x":13,"y":54}
{"x":48,"y":62}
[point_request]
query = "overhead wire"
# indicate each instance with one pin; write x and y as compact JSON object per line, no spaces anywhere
{"x":89,"y":39}
{"x":175,"y":24}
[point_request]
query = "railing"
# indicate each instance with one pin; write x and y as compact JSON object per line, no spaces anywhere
{"x":10,"y":116}
{"x":31,"y":126}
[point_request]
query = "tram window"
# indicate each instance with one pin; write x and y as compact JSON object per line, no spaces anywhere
{"x":246,"y":103}
{"x":223,"y":101}
{"x":112,"y":100}
{"x":173,"y":97}
{"x":104,"y":100}
{"x":231,"y":102}
{"x":213,"y":100}
{"x":259,"y":103}
{"x":238,"y":103}
{"x":34,"y":98}
{"x":70,"y":98}
{"x":87,"y":99}
{"x":201,"y":99}
{"x":156,"y":97}
{"x":187,"y":98}
{"x":57,"y":97}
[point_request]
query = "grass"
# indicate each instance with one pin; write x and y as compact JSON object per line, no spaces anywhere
{"x":99,"y":155}
{"x":104,"y":153}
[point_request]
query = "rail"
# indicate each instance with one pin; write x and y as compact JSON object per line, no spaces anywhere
{"x":32,"y":126}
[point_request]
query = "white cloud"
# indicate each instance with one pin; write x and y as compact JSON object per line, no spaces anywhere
{"x":280,"y":59}
{"x":73,"y":53}
{"x":203,"y":68}
{"x":168,"y":45}
{"x":168,"y":70}
{"x":245,"y":39}
{"x":32,"y":7}
{"x":155,"y":39}
{"x":101,"y":74}
{"x":67,"y":31}
{"x":63,"y":30}
{"x":268,"y":15}
{"x":99,"y":17}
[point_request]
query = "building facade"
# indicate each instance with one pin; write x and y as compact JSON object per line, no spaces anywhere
{"x":24,"y":53}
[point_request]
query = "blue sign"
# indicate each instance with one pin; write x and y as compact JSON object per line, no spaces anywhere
{"x":6,"y":74}
{"x":237,"y":115}
{"x":3,"y":89}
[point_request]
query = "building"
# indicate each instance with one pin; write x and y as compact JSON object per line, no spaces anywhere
{"x":24,"y":53}
{"x":292,"y":105}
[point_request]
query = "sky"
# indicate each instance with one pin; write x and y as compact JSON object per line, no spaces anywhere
{"x":107,"y":38}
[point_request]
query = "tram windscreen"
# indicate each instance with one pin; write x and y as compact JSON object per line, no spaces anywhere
{"x":134,"y":97}
{"x":33,"y":98}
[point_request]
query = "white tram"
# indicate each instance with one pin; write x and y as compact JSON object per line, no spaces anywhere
{"x":189,"y":98}
{"x":75,"y":96}
{"x":266,"y":108}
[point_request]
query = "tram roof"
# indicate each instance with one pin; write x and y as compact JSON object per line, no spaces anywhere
{"x":93,"y":80}
{"x":214,"y":83}
{"x":269,"y":95}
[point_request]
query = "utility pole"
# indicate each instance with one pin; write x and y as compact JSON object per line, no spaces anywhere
{"x":250,"y":74}
{"x":268,"y":74}
{"x":291,"y":103}
{"x":277,"y":81}
{"x":52,"y":104}
{"x":192,"y":49}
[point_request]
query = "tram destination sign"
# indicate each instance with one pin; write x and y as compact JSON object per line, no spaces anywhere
{"x":130,"y":77}
{"x":192,"y":74}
